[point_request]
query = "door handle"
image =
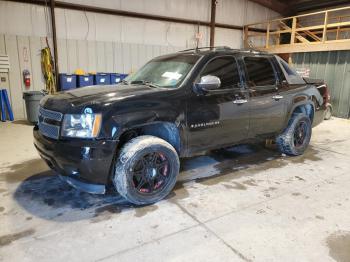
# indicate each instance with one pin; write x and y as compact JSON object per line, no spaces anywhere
{"x":277,"y":97}
{"x":240,"y":101}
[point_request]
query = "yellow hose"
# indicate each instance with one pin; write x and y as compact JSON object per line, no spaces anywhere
{"x":47,"y":69}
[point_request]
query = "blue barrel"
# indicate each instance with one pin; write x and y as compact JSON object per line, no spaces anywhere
{"x":67,"y":81}
{"x":85,"y":80}
{"x":102,"y":79}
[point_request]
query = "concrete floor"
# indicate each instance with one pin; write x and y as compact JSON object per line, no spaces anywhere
{"x":244,"y":203}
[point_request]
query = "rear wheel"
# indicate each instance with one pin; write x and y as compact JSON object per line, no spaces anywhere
{"x":296,"y":138}
{"x":146,"y":170}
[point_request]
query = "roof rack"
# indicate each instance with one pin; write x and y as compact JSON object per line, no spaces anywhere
{"x":209,"y":47}
{"x":218,"y":48}
{"x":252,"y":50}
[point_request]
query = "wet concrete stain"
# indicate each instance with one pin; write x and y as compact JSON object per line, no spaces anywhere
{"x":296,"y":194}
{"x":300,"y":178}
{"x":179,"y":192}
{"x":339,"y":246}
{"x":142,"y":211}
{"x":8,"y":239}
{"x":254,"y":158}
{"x":235,"y":185}
{"x":250,"y":182}
{"x":105,"y":213}
{"x":319,"y":217}
{"x":2,"y":209}
{"x":22,"y":171}
{"x":43,"y":194}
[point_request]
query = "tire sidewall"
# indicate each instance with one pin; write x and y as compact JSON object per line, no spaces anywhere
{"x":122,"y":178}
{"x":300,"y":149}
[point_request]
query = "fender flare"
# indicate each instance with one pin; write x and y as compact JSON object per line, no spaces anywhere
{"x":172,"y":133}
{"x":302,"y":104}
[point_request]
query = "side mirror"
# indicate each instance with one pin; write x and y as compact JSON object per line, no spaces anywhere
{"x":207,"y":84}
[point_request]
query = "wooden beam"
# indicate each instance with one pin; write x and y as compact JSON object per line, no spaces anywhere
{"x":267,"y":36}
{"x":309,"y":47}
{"x":275,"y":5}
{"x":294,"y":25}
{"x":246,"y":44}
{"x":303,"y":15}
{"x":324,"y":35}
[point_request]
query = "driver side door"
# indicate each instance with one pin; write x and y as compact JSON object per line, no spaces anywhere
{"x":221,"y":117}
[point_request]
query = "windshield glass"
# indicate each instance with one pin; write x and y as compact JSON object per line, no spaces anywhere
{"x":166,"y":71}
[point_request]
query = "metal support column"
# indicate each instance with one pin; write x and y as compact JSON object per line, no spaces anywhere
{"x":212,"y":22}
{"x":54,"y":39}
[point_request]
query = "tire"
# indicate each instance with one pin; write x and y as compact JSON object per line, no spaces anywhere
{"x":292,"y":143}
{"x":328,"y":113}
{"x":146,"y":170}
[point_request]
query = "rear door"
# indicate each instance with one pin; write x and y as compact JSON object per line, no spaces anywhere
{"x":267,"y":107}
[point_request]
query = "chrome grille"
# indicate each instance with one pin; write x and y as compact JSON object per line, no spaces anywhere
{"x":45,"y":113}
{"x":49,"y":130}
{"x":45,"y":127}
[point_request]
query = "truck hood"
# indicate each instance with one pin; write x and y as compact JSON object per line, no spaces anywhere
{"x":94,"y":96}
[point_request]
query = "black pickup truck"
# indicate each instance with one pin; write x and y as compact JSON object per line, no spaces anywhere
{"x":130,"y":136}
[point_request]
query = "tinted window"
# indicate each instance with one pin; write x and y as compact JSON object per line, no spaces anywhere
{"x":224,"y":68}
{"x":260,"y":71}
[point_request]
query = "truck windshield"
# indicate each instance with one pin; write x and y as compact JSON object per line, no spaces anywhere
{"x":168,"y":71}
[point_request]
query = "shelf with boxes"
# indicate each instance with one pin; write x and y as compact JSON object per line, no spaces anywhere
{"x":72,"y":81}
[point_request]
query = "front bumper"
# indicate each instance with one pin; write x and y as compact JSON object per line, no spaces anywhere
{"x":84,"y":164}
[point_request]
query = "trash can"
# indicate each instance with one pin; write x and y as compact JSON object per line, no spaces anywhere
{"x":32,"y":99}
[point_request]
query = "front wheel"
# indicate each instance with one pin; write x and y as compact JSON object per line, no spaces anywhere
{"x":296,"y":138}
{"x":146,"y":170}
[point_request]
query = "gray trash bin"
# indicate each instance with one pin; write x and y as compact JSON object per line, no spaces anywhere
{"x":32,"y":99}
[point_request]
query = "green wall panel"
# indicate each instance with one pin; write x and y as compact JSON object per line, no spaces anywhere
{"x":334,"y":67}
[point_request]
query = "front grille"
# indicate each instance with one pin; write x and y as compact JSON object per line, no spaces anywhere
{"x":50,"y":114}
{"x":49,"y":123}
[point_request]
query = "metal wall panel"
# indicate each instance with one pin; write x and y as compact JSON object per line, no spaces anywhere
{"x":334,"y":67}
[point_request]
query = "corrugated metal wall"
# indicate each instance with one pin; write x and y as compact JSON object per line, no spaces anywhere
{"x":334,"y":67}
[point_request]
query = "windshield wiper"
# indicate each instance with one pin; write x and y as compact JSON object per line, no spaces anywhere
{"x":125,"y":82}
{"x":144,"y":82}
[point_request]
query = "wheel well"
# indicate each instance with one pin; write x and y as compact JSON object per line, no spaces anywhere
{"x":164,"y":130}
{"x":307,"y":109}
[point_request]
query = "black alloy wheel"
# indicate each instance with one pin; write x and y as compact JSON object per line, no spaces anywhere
{"x":151,"y":173}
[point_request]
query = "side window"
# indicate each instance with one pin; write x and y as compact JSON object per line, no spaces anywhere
{"x":260,"y":71}
{"x":224,"y":68}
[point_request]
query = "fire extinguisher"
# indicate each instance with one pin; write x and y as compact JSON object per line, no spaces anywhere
{"x":26,"y":78}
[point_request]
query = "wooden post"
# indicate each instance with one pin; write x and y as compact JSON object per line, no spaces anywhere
{"x":246,"y":30}
{"x":212,"y":23}
{"x":324,"y":35}
{"x":338,"y":29}
{"x":267,"y":35}
{"x":294,"y":26}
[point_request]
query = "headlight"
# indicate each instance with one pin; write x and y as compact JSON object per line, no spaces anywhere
{"x":81,"y":125}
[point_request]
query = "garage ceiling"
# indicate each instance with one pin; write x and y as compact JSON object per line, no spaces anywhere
{"x":288,"y":7}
